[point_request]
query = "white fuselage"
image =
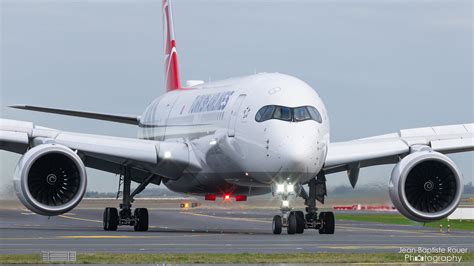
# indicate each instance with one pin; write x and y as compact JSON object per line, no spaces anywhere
{"x":237,"y":154}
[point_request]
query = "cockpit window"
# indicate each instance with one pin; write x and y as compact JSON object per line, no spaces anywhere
{"x":315,"y":115}
{"x":296,"y":114}
{"x":282,"y":113}
{"x":265,"y":113}
{"x":301,"y":114}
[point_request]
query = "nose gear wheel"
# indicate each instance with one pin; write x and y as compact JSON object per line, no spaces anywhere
{"x":297,"y":221}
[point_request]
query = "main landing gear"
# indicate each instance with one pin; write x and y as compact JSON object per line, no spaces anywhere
{"x":139,"y":219}
{"x":296,"y":221}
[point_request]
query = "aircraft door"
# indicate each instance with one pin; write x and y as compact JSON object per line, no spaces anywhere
{"x":162,"y":113}
{"x":234,"y":115}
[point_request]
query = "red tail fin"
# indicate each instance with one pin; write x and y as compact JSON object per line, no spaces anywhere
{"x":171,"y":59}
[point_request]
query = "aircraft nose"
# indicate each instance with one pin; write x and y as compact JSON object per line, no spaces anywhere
{"x":295,"y":152}
{"x":298,"y":151}
{"x":297,"y":155}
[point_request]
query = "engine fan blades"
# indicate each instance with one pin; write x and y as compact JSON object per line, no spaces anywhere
{"x":53,"y":179}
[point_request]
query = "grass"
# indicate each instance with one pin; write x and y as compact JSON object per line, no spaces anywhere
{"x":455,"y":224}
{"x":242,"y":258}
{"x":399,"y":219}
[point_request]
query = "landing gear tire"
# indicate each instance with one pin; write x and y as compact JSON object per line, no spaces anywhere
{"x":111,"y":219}
{"x":141,"y":219}
{"x":300,"y":222}
{"x":277,"y":225}
{"x":292,"y":224}
{"x":328,"y":223}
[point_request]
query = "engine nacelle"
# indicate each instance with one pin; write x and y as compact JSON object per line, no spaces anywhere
{"x":50,"y":179}
{"x":426,"y":186}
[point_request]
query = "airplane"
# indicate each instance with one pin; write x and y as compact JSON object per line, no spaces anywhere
{"x":231,"y":139}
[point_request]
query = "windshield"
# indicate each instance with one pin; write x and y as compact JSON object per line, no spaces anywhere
{"x":295,"y":114}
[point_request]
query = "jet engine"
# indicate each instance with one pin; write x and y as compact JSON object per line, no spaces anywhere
{"x":50,"y":179}
{"x":426,"y":186}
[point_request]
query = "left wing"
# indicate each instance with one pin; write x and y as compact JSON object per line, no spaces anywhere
{"x":386,"y":149}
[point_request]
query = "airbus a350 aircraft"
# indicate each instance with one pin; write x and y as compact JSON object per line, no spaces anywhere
{"x":233,"y":138}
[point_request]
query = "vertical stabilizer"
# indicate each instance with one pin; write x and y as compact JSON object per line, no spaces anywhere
{"x":171,"y":59}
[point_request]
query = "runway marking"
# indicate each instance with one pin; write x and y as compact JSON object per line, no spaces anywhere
{"x":80,"y":219}
{"x":124,"y":236}
{"x":95,"y":237}
{"x":27,"y":238}
{"x":418,"y":232}
{"x":101,"y":237}
{"x":378,"y":247}
{"x":226,"y":218}
{"x":368,"y":247}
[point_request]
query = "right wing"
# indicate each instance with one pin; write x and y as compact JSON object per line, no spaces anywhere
{"x":107,"y":153}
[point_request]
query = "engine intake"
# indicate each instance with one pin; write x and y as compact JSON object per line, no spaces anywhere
{"x":426,"y":186}
{"x":50,"y":179}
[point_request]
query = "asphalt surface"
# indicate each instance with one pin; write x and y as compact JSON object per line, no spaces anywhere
{"x":176,"y":230}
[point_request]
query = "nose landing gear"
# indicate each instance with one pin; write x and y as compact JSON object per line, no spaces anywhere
{"x":296,"y":222}
{"x":293,"y":221}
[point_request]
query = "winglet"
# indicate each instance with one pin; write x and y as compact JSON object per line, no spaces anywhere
{"x":171,"y":59}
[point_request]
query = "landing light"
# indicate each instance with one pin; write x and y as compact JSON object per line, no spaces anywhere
{"x":286,"y":188}
{"x":290,"y":188}
{"x":167,"y":155}
{"x":280,"y":188}
{"x":285,"y":204}
{"x":213,"y":142}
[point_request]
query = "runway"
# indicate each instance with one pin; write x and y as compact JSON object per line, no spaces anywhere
{"x":175,"y":230}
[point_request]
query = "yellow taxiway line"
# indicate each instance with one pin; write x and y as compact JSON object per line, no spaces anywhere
{"x":226,"y":218}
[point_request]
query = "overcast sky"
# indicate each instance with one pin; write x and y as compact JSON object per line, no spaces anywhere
{"x":380,"y":66}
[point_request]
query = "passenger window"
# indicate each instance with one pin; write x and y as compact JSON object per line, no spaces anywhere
{"x":282,"y":113}
{"x":301,"y":114}
{"x":315,"y":115}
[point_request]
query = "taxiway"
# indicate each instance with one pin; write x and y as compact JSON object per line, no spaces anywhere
{"x":176,"y":230}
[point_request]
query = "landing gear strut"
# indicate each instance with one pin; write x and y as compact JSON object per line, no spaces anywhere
{"x":296,"y":221}
{"x":139,"y":220}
